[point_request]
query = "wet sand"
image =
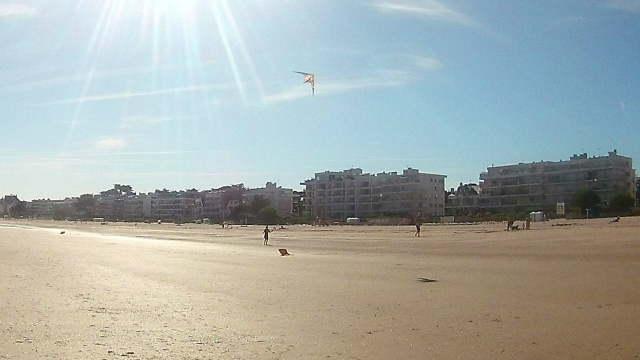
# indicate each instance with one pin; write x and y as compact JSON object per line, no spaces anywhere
{"x":152,"y":291}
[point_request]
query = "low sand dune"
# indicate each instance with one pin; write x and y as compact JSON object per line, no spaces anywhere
{"x":151,"y":291}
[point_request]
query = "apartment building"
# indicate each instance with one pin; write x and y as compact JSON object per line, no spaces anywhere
{"x":463,"y":200}
{"x":41,"y":208}
{"x":132,"y":207}
{"x":352,"y":193}
{"x":6,"y":203}
{"x":218,"y":203}
{"x":539,"y":185}
{"x":280,"y":198}
{"x":52,"y":209}
{"x":172,"y":205}
{"x":108,"y":207}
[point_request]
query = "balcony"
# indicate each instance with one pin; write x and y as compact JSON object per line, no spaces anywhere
{"x":562,"y":170}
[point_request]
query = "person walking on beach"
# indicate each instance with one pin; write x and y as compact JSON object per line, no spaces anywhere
{"x":417,"y":230}
{"x":266,"y":235}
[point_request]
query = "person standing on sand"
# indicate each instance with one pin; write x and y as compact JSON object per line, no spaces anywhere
{"x":510,"y":223}
{"x":417,"y":229}
{"x":266,"y":235}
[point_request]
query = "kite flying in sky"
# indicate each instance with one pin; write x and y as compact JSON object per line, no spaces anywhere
{"x":308,"y":78}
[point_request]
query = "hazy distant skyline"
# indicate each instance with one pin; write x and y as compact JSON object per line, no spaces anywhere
{"x":202,"y":93}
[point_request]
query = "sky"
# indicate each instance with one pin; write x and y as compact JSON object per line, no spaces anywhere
{"x":183,"y":94}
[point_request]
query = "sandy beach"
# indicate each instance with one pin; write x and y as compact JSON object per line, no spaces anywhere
{"x":565,"y":289}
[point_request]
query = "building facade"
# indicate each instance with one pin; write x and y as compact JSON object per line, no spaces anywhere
{"x":218,"y":203}
{"x":280,"y":198}
{"x":463,"y":200}
{"x":539,"y":185}
{"x":172,"y":205}
{"x":108,"y":207}
{"x":132,"y":208}
{"x":53,"y":209}
{"x":6,"y":203}
{"x":352,"y":193}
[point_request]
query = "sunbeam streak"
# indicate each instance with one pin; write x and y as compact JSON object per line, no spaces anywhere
{"x":243,"y":47}
{"x":77,"y":113}
{"x":222,"y":29}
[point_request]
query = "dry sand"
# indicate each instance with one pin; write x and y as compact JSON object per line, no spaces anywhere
{"x":151,"y":291}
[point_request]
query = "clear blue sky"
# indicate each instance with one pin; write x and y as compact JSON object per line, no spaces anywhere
{"x":194,"y":93}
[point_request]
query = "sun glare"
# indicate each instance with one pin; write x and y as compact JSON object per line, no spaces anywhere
{"x":194,"y":37}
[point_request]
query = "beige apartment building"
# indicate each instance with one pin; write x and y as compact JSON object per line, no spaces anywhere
{"x":539,"y":185}
{"x":280,"y":198}
{"x":352,"y":193}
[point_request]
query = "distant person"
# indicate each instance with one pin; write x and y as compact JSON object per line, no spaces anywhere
{"x":418,"y":225}
{"x":266,"y":235}
{"x":510,"y":223}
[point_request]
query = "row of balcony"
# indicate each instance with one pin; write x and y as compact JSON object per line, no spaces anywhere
{"x":590,"y":182}
{"x":496,"y":175}
{"x":366,"y":184}
{"x":568,"y":192}
{"x":320,"y":193}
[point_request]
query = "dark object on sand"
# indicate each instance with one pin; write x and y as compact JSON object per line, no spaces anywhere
{"x":615,"y":220}
{"x":427,"y":280}
{"x":62,"y":232}
{"x":283,"y":252}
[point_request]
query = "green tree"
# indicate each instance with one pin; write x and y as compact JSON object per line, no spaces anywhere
{"x":257,"y":203}
{"x":586,"y":199}
{"x":239,"y":212}
{"x":110,"y":192}
{"x":621,"y":202}
{"x":59,"y":213}
{"x":84,"y":205}
{"x":18,"y":209}
{"x":269,"y":215}
{"x":119,"y":190}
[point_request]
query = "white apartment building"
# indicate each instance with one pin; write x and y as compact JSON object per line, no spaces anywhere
{"x":280,"y":198}
{"x":41,"y":208}
{"x":148,"y":200}
{"x":132,"y":207}
{"x":47,"y":209}
{"x":539,"y":185}
{"x":108,"y":207}
{"x":218,"y":203}
{"x":351,"y":193}
{"x":172,"y":205}
{"x":214,"y":204}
